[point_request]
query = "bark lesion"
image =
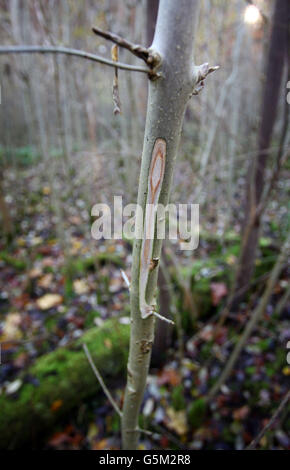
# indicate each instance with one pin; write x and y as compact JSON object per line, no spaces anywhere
{"x":147,"y":262}
{"x":145,"y":346}
{"x":153,"y":264}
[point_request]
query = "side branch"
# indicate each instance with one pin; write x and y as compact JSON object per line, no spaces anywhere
{"x":101,"y":382}
{"x":200,"y":72}
{"x":106,"y":390}
{"x":271,"y":422}
{"x":73,"y":52}
{"x":141,"y":52}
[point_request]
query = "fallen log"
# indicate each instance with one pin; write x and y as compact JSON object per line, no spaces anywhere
{"x":62,"y":380}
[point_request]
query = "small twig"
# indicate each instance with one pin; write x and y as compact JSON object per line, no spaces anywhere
{"x":199,"y":75}
{"x":125,"y":277}
{"x":143,"y":431}
{"x":167,"y":320}
{"x":270,"y":423}
{"x":170,"y":437}
{"x":101,"y":382}
{"x":139,"y":51}
{"x":106,"y":391}
{"x":204,"y":70}
{"x":73,"y":52}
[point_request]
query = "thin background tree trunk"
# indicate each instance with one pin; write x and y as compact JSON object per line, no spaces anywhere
{"x":256,"y":176}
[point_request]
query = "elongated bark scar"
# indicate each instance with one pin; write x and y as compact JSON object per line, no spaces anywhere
{"x":155,"y":180}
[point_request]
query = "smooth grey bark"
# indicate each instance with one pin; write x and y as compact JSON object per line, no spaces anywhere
{"x":173,"y":42}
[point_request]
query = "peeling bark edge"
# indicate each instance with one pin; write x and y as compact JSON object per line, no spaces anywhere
{"x":155,"y":181}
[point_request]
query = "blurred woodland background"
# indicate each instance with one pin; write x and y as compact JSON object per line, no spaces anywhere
{"x":62,"y":150}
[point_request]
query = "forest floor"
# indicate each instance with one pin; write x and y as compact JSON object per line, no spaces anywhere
{"x":56,"y":283}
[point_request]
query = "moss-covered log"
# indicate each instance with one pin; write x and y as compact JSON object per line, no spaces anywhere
{"x":64,"y":379}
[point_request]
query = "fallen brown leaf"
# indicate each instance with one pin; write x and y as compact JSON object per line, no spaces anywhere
{"x":56,"y":405}
{"x":177,"y":421}
{"x":48,"y":301}
{"x":241,"y":413}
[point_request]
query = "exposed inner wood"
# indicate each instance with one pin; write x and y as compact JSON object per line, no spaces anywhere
{"x":155,"y":179}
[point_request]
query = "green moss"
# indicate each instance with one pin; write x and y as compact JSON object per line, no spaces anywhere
{"x":64,"y":376}
{"x":265,"y":264}
{"x":270,"y":370}
{"x":68,"y":288}
{"x":103,"y":258}
{"x":90,"y":317}
{"x":202,"y":286}
{"x":251,"y":370}
{"x":18,"y":264}
{"x":51,"y":322}
{"x":206,"y":351}
{"x":24,"y":156}
{"x":78,"y":266}
{"x":227,"y":435}
{"x":255,"y":388}
{"x":197,"y":412}
{"x":263,"y":344}
{"x":177,"y":397}
{"x":229,"y":237}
